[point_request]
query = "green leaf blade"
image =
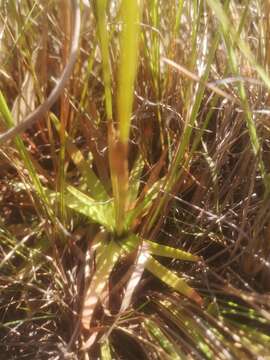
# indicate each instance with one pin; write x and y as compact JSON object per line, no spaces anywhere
{"x":129,"y":45}
{"x":101,"y":212}
{"x":172,"y":280}
{"x":170,"y":252}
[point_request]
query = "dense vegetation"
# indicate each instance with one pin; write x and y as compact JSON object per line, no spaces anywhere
{"x":134,"y":211}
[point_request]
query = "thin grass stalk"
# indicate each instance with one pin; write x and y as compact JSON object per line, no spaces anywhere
{"x":180,"y":161}
{"x":234,"y":66}
{"x":100,"y":10}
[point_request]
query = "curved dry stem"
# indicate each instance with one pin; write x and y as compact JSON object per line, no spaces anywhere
{"x":58,"y":89}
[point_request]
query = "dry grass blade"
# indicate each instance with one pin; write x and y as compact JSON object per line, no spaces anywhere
{"x":198,"y":79}
{"x":43,"y":108}
{"x":109,"y":256}
{"x":135,"y":220}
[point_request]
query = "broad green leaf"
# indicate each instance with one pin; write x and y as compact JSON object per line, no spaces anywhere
{"x":172,"y":280}
{"x":160,"y":271}
{"x":101,"y":212}
{"x":133,"y":241}
{"x":170,"y":252}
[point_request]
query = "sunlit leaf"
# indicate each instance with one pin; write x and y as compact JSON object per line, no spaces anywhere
{"x":136,"y":275}
{"x":105,"y":351}
{"x":107,"y":260}
{"x":101,"y":212}
{"x":163,"y":340}
{"x":133,"y":241}
{"x":129,"y":47}
{"x":170,"y":252}
{"x":172,"y":280}
{"x":160,"y":271}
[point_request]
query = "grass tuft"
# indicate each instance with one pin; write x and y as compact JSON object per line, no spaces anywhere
{"x":134,"y":208}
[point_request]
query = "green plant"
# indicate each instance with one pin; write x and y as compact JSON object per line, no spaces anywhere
{"x":134,"y":213}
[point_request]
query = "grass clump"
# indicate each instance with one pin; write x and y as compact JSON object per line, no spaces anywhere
{"x":134,"y":210}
